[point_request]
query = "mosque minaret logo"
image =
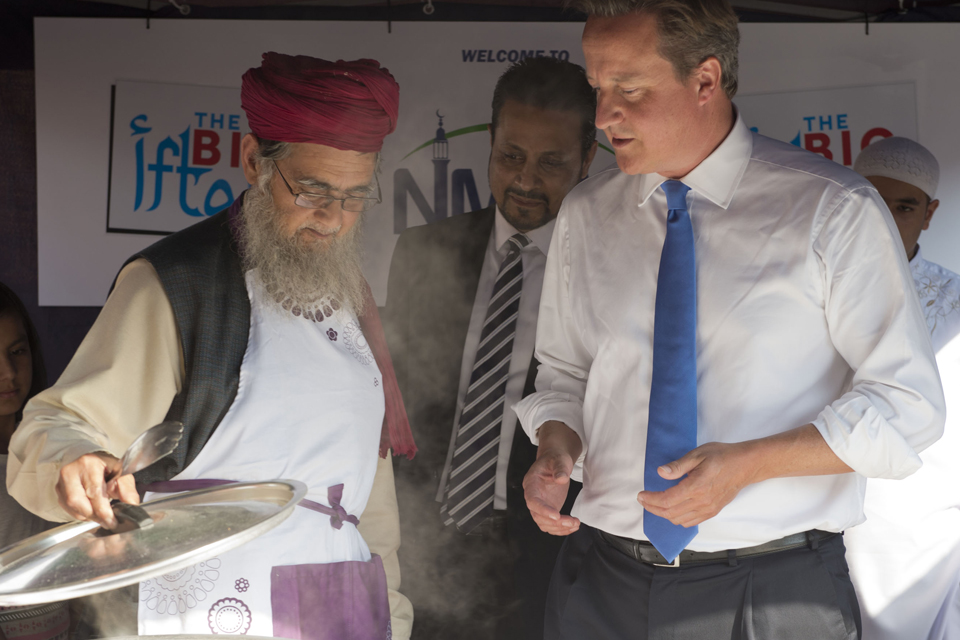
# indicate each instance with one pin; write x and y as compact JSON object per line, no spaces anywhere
{"x":441,"y":159}
{"x":453,"y":192}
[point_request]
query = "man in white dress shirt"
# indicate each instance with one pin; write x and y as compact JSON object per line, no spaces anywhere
{"x":813,"y":369}
{"x":485,"y":575}
{"x":905,"y":559}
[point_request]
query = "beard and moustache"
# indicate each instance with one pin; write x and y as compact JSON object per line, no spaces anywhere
{"x":297,"y":275}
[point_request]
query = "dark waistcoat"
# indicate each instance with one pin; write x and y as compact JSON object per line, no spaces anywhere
{"x":202,"y":275}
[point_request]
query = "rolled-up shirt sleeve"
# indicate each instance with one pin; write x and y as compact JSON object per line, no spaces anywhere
{"x":120,"y":382}
{"x":894,"y":406}
{"x":564,"y":360}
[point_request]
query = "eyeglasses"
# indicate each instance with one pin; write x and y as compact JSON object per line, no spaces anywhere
{"x":355,"y":204}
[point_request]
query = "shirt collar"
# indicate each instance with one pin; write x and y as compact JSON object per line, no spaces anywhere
{"x":916,"y":263}
{"x":540,"y":237}
{"x":717,"y":177}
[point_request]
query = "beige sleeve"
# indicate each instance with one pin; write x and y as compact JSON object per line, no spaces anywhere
{"x":120,"y":382}
{"x":380,"y":527}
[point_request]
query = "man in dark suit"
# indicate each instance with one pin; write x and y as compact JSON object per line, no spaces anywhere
{"x":462,"y":309}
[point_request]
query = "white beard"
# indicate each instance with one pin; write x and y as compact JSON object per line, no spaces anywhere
{"x":295,"y":274}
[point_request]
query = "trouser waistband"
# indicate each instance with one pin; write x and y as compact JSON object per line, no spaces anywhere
{"x":645,"y":552}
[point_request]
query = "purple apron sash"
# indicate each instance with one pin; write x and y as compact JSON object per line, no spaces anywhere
{"x":338,"y":515}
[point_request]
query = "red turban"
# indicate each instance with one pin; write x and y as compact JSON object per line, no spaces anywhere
{"x":350,"y":106}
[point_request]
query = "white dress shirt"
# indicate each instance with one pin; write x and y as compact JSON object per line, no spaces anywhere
{"x":534,"y":257}
{"x":806,"y":312}
{"x":905,"y":559}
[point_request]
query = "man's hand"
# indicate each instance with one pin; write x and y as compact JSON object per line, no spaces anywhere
{"x":715,"y":475}
{"x":546,"y":484}
{"x":717,"y":472}
{"x":84,"y":493}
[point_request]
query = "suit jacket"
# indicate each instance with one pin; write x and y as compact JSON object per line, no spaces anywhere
{"x":432,"y":285}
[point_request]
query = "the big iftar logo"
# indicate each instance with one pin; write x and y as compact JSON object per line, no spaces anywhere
{"x":459,"y":190}
{"x":831,"y":136}
{"x":175,"y":155}
{"x":835,"y":123}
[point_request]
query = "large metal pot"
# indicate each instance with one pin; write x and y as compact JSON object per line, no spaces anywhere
{"x":42,"y":620}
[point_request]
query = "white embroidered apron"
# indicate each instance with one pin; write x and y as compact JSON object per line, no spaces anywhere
{"x":309,"y":407}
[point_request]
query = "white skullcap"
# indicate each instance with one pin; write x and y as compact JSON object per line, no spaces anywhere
{"x":900,"y":159}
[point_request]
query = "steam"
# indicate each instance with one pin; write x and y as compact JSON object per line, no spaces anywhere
{"x":456,"y":586}
{"x":111,"y":614}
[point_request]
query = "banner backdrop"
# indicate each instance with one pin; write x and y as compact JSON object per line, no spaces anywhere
{"x":137,"y":129}
{"x":178,"y":72}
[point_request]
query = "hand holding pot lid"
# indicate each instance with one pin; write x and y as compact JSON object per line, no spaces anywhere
{"x":89,"y":483}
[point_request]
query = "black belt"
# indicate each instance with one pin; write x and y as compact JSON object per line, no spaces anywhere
{"x":645,"y":552}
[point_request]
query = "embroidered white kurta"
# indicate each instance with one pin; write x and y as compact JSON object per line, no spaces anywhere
{"x":905,"y":559}
{"x":939,"y":291}
{"x":309,"y":407}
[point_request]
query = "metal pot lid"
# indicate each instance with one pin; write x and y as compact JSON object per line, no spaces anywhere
{"x":80,"y":558}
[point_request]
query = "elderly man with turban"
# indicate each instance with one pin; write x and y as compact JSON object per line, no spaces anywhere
{"x":257,"y":330}
{"x":905,"y":559}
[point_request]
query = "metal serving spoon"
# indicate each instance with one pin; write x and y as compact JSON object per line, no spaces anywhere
{"x":156,"y":442}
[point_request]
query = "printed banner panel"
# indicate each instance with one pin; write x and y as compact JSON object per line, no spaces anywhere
{"x":836,"y":123}
{"x":174,"y":155}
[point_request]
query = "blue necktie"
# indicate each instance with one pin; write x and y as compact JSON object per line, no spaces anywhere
{"x":672,"y":424}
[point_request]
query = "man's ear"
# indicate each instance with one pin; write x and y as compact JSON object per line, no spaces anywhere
{"x":588,"y":160}
{"x":931,"y":209}
{"x":490,"y":129}
{"x":248,"y":154}
{"x":709,"y":75}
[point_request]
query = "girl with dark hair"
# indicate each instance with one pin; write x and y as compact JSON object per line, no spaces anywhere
{"x":22,"y":373}
{"x":22,"y":376}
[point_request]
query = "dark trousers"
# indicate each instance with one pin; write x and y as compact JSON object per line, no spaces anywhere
{"x":600,"y":593}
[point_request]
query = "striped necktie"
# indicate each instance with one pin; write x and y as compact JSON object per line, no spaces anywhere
{"x":469,"y":496}
{"x":672,"y":422}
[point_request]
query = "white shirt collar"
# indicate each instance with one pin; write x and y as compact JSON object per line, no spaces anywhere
{"x":717,"y":177}
{"x":539,"y":237}
{"x":917,"y":260}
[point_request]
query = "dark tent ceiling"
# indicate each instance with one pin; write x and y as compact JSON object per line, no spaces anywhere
{"x":16,"y":16}
{"x":750,"y":10}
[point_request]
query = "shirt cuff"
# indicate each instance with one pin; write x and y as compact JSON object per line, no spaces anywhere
{"x":544,"y":406}
{"x":76,"y":451}
{"x":866,"y":442}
